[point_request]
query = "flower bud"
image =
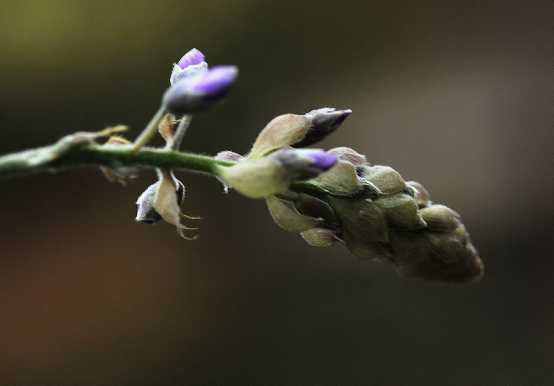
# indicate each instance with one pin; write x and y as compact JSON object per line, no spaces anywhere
{"x":297,"y":130}
{"x":314,"y":207}
{"x":146,"y":213}
{"x":385,"y":178}
{"x":303,"y":164}
{"x":440,"y":218}
{"x":263,"y":177}
{"x":410,"y":248}
{"x":401,"y":210}
{"x":280,"y":132}
{"x":341,"y":180}
{"x":448,"y":246}
{"x":319,"y":237}
{"x":191,"y":64}
{"x":360,"y":217}
{"x":421,"y":194}
{"x":365,"y":249}
{"x":349,"y":155}
{"x":323,"y":122}
{"x":255,"y":178}
{"x":288,"y":218}
{"x":200,"y":92}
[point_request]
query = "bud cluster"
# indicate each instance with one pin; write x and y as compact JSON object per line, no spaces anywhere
{"x":379,"y":216}
{"x":275,"y":160}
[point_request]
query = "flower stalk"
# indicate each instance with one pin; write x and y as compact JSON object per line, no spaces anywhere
{"x":327,"y":197}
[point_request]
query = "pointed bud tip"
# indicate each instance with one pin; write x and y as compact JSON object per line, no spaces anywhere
{"x":343,"y":115}
{"x":329,"y":117}
{"x":191,"y":58}
{"x":323,"y":122}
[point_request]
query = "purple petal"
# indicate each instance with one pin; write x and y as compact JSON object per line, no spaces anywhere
{"x":322,"y":160}
{"x":191,"y":58}
{"x":217,"y":81}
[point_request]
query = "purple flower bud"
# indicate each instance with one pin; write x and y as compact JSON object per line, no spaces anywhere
{"x":217,"y":82}
{"x":322,"y":160}
{"x":190,"y":65}
{"x":201,"y":92}
{"x":191,"y":58}
{"x":323,"y":123}
{"x":303,"y":164}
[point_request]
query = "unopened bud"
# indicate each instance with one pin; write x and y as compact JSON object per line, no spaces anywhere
{"x":314,"y":207}
{"x":365,"y":249}
{"x":385,"y":178}
{"x":319,"y":237}
{"x":297,"y":130}
{"x":323,"y":122}
{"x":409,"y":248}
{"x":200,"y":92}
{"x":288,"y":218}
{"x":448,"y":246}
{"x":440,"y":218}
{"x":191,"y":64}
{"x":146,"y":213}
{"x":421,"y":194}
{"x":349,"y":155}
{"x":265,"y":176}
{"x":303,"y":164}
{"x":401,"y":209}
{"x":361,"y":217}
{"x":341,"y":180}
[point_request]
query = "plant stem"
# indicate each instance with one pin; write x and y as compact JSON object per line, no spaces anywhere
{"x":181,"y":130}
{"x":150,"y":129}
{"x":50,"y":159}
{"x":78,"y":150}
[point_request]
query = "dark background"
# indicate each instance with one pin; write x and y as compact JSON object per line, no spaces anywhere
{"x":454,"y":94}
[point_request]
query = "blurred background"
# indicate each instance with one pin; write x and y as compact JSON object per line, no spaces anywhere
{"x":455,"y":94}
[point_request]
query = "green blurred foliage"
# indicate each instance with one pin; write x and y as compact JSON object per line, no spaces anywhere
{"x":454,"y":94}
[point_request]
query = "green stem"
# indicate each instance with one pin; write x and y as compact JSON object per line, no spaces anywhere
{"x":52,"y":159}
{"x":146,"y":157}
{"x":78,"y":150}
{"x":150,"y":129}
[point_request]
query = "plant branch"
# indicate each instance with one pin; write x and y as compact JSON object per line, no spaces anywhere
{"x":80,"y":150}
{"x":74,"y":151}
